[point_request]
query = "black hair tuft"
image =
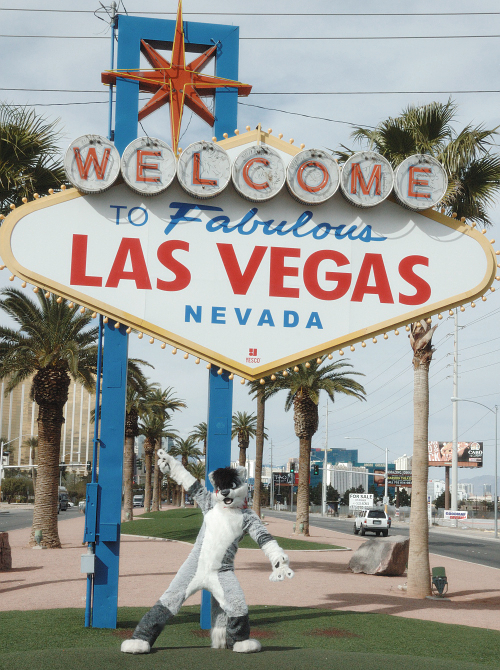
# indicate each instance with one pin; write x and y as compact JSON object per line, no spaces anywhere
{"x":224,"y":478}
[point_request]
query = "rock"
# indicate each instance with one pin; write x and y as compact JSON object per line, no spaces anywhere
{"x":5,"y":555}
{"x":381,"y":556}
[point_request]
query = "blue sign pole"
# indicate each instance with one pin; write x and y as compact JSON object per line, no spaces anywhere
{"x":219,"y":422}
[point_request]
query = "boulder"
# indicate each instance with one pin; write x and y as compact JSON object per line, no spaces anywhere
{"x":5,"y":555}
{"x":381,"y":556}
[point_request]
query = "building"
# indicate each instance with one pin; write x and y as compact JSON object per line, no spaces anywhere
{"x":345,"y":476}
{"x":18,"y":422}
{"x":403,"y":462}
{"x":435,"y":487}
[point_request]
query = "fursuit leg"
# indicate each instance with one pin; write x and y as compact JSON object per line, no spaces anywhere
{"x":219,"y":623}
{"x":153,"y":622}
{"x":238,"y":623}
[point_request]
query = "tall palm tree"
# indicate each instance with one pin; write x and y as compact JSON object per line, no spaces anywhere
{"x":200,"y":433}
{"x":32,"y":444}
{"x":244,"y":427}
{"x":474,"y":180}
{"x":473,"y":169}
{"x":259,"y":393}
{"x":55,"y":344}
{"x":419,"y":585}
{"x":304,"y":383}
{"x":30,"y":158}
{"x":188,"y":451}
{"x":154,"y":427}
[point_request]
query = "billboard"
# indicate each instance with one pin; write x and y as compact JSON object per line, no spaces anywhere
{"x":460,"y":515}
{"x":361,"y":500}
{"x":399,"y":478}
{"x":470,"y":454}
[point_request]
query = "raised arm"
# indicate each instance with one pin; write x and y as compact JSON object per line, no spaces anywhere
{"x":195,"y":489}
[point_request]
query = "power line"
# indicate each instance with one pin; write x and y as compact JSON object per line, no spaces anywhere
{"x":308,"y":14}
{"x":289,"y":39}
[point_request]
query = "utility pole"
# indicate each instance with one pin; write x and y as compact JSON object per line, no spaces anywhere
{"x":271,"y":496}
{"x":325,"y":463}
{"x":454,"y":457}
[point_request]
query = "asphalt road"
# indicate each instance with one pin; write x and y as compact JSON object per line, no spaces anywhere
{"x":22,"y":517}
{"x":450,"y":543}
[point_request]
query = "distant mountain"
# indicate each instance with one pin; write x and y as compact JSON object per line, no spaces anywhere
{"x":479,"y":481}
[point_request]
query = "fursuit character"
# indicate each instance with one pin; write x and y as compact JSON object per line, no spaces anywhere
{"x":210,"y":565}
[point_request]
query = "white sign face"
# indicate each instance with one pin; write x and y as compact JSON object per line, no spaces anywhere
{"x":313,"y":176}
{"x":258,"y":173}
{"x":420,"y":182}
{"x":361,"y":500}
{"x":460,"y":514}
{"x":204,"y":169}
{"x":148,"y":165}
{"x":92,"y":163}
{"x":367,"y":179}
{"x":252,"y":287}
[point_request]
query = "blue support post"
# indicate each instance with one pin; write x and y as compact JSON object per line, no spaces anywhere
{"x":107,"y":547}
{"x":220,"y":411}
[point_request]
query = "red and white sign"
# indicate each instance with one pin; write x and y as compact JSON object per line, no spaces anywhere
{"x":258,"y":173}
{"x":367,"y":179}
{"x":204,"y":169}
{"x":92,"y":164}
{"x":313,"y":176}
{"x":148,"y":166}
{"x":251,"y":286}
{"x":420,"y":182}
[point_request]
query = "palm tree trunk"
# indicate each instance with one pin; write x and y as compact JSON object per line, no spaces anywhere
{"x":128,"y":477}
{"x":302,"y":521}
{"x":243,"y":445}
{"x":418,"y":560}
{"x":155,"y":505}
{"x":147,"y":486}
{"x":259,"y":449}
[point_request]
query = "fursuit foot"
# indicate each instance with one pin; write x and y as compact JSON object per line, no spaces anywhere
{"x":247,"y":646}
{"x":218,"y":636}
{"x":135,"y":647}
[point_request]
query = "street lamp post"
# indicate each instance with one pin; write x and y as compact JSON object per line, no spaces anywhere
{"x":495,"y":412}
{"x":386,"y":464}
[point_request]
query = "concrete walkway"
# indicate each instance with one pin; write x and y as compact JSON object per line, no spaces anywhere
{"x":46,"y":579}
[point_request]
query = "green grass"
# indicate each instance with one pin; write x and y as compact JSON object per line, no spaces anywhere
{"x":184,"y":525}
{"x":292,"y":638}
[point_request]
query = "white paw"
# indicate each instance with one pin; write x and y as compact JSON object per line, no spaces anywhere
{"x":218,"y":636}
{"x":247,"y":646}
{"x":135,"y":647}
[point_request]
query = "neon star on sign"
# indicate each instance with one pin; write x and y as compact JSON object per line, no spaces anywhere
{"x":176,"y":82}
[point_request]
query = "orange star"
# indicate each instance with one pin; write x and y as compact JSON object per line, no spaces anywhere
{"x":176,"y":83}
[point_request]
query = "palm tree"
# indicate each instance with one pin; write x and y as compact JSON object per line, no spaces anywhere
{"x":55,"y":344}
{"x":474,"y":181}
{"x":244,"y":427}
{"x":200,"y":434}
{"x":419,"y":585}
{"x":30,"y":156}
{"x":32,"y":444}
{"x":473,"y":170}
{"x":258,"y":390}
{"x":154,"y":427}
{"x":197,"y":469}
{"x":188,"y":451}
{"x":304,"y":383}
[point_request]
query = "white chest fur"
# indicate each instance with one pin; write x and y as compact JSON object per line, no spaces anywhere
{"x":222,"y":527}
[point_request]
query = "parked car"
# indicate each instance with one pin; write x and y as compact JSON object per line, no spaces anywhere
{"x":372,"y":521}
{"x":63,"y":503}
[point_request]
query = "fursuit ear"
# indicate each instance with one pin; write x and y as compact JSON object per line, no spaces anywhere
{"x":241,"y":472}
{"x":211,"y":479}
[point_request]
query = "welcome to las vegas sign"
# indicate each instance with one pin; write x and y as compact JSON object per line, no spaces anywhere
{"x":252,"y":254}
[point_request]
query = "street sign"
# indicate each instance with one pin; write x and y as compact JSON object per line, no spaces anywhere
{"x":282,"y":478}
{"x":360,"y":500}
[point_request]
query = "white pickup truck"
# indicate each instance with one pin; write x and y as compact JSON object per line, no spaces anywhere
{"x":372,"y":521}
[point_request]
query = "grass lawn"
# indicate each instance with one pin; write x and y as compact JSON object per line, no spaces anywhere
{"x":292,"y":639}
{"x":184,"y":525}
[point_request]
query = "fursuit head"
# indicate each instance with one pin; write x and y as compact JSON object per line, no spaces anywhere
{"x":210,"y":565}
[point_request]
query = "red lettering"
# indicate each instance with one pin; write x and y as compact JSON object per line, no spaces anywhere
{"x":423,"y":290}
{"x":196,"y":172}
{"x":343,"y":279}
{"x":278,"y":271}
{"x":129,"y":246}
{"x":357,"y":178}
{"x":182,"y":274}
{"x":79,"y":276}
{"x":100,"y":170}
{"x":246,"y":176}
{"x":142,"y":166}
{"x":240,"y":281}
{"x":381,"y":288}
{"x":318,"y":166}
{"x":417,"y":182}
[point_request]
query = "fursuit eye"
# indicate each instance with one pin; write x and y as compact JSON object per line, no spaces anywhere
{"x":233,"y":485}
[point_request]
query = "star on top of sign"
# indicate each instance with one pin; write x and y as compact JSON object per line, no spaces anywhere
{"x":176,"y":83}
